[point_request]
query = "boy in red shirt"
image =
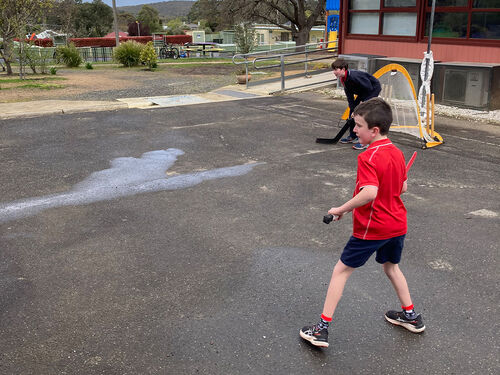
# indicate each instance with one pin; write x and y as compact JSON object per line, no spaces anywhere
{"x":379,"y":220}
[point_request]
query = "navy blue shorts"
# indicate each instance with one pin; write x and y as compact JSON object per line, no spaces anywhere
{"x":357,"y":252}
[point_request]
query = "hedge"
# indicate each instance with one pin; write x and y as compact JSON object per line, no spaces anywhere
{"x":107,"y":42}
{"x":110,"y":42}
{"x":178,"y":39}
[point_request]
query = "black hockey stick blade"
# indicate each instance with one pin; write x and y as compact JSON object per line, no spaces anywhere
{"x":336,"y":138}
{"x":327,"y":140}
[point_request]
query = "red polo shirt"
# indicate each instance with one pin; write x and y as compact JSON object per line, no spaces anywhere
{"x":381,"y":165}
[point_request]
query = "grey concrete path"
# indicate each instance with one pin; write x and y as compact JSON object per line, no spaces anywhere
{"x":189,"y":240}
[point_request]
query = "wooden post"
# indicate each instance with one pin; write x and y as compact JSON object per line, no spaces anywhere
{"x":432,"y":120}
{"x":427,"y":113}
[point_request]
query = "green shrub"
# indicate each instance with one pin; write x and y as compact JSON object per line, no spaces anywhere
{"x":69,"y":55}
{"x":89,"y":65}
{"x":245,"y":37}
{"x":148,"y":55}
{"x":128,"y":53}
{"x":53,"y":70}
{"x":29,"y":55}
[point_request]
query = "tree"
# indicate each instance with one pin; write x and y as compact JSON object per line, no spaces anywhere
{"x":245,"y":37}
{"x":208,"y":12}
{"x":175,"y":27}
{"x":15,"y":15}
{"x":124,"y":19}
{"x":297,"y":16}
{"x":93,"y":19}
{"x":149,"y":16}
{"x":138,"y":29}
{"x":61,"y":16}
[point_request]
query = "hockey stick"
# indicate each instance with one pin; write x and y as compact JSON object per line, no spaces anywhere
{"x":410,"y":162}
{"x":337,"y":137}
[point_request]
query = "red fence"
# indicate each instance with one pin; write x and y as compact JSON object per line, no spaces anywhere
{"x":110,"y":42}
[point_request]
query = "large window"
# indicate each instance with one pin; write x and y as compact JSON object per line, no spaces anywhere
{"x":477,"y":19}
{"x":386,"y":17}
{"x":447,"y":25}
{"x":471,"y":20}
{"x":449,"y":3}
{"x":364,"y":23}
{"x":485,"y":25}
{"x":400,"y":24}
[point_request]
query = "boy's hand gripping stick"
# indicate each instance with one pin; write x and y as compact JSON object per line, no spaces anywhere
{"x":327,"y":219}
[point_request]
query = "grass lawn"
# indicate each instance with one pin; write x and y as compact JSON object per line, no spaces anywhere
{"x":33,"y":82}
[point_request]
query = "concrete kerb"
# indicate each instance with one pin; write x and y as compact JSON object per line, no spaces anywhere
{"x":48,"y":107}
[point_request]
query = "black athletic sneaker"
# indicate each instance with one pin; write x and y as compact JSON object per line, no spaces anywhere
{"x":316,"y":336}
{"x":399,"y":318}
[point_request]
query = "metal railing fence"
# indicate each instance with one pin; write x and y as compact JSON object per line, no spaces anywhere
{"x":284,"y":53}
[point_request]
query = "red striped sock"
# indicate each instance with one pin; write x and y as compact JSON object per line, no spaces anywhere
{"x":407,"y":308}
{"x":325,"y":318}
{"x":409,"y":311}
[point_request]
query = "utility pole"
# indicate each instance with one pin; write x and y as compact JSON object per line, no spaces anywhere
{"x":115,"y":16}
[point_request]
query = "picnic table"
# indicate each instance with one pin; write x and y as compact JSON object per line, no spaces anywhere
{"x":203,"y":48}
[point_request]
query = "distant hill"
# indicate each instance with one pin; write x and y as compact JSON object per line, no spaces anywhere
{"x":167,"y":9}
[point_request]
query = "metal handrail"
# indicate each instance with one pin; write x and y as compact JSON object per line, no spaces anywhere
{"x":282,"y":56}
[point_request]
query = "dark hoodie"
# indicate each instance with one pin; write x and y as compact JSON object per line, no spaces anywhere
{"x":362,"y":84}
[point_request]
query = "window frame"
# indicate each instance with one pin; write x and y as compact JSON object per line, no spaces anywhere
{"x":421,"y":9}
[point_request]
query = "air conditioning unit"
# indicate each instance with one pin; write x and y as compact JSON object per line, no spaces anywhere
{"x":465,"y":87}
{"x":466,"y":84}
{"x":361,"y":61}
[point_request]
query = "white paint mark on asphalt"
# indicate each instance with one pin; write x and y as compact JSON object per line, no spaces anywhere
{"x":313,"y":152}
{"x":484,"y":213}
{"x":127,"y":176}
{"x":317,"y":241}
{"x":174,"y":101}
{"x":415,"y":196}
{"x":197,"y":125}
{"x":440,"y":264}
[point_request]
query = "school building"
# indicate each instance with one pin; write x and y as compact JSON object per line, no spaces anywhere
{"x":465,"y":43}
{"x":266,"y":34}
{"x":272,"y":34}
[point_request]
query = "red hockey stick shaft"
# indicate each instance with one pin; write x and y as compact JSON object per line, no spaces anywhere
{"x":410,"y":162}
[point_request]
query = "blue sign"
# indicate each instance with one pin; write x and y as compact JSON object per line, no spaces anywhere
{"x":333,"y":22}
{"x":332,"y":4}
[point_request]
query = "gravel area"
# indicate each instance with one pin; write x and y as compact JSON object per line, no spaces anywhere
{"x":492,"y":117}
{"x":110,"y":83}
{"x":180,"y":85}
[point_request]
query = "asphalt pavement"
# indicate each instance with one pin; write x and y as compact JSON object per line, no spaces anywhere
{"x":189,"y":240}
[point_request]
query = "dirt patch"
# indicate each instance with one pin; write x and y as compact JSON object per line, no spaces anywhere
{"x":110,"y":82}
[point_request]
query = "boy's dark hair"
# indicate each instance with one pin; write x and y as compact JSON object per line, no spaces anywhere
{"x":339,"y":64}
{"x":376,"y":112}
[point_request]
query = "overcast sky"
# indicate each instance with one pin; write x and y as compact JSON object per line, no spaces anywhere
{"x":121,"y":3}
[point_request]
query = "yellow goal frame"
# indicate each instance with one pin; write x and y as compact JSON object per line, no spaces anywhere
{"x":429,"y":128}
